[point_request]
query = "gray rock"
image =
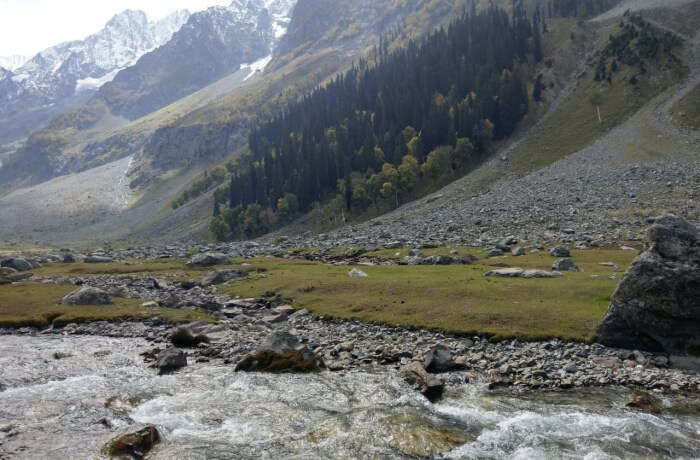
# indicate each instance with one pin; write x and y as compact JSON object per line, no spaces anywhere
{"x":565,"y":265}
{"x":656,"y":306}
{"x":87,"y":295}
{"x":18,"y":263}
{"x":209,"y":259}
{"x":68,"y":258}
{"x":495,"y":252}
{"x":133,"y":441}
{"x":357,"y":273}
{"x":7,"y":271}
{"x":541,"y":274}
{"x":439,"y":359}
{"x":281,"y":341}
{"x":429,"y":385}
{"x":98,"y":260}
{"x":519,"y":251}
{"x":222,"y":276}
{"x":560,"y":251}
{"x":171,"y":360}
{"x":512,"y":272}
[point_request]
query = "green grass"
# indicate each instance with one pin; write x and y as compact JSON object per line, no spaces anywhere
{"x":37,"y":305}
{"x":453,"y":299}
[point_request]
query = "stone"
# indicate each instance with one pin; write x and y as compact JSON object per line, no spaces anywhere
{"x":439,"y":359}
{"x":644,"y":403}
{"x":541,"y":274}
{"x":512,"y":272}
{"x":518,"y":251}
{"x":560,"y":251}
{"x":134,"y":441}
{"x":68,"y":258}
{"x":7,"y":271}
{"x":87,"y":295}
{"x":281,"y":341}
{"x":290,"y":361}
{"x":357,"y":273}
{"x":98,"y":260}
{"x":468,"y":259}
{"x":170,"y":360}
{"x":17,"y":263}
{"x":209,"y":259}
{"x":222,"y":276}
{"x":565,"y":265}
{"x":150,"y":304}
{"x":429,"y":385}
{"x":495,"y":252}
{"x":656,"y":306}
{"x":275,"y":318}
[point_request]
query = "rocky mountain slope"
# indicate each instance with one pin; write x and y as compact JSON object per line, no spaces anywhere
{"x":212,"y":44}
{"x":62,"y":72}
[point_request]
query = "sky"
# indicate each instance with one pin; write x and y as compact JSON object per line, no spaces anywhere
{"x":29,"y":26}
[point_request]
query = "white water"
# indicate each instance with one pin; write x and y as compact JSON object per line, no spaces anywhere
{"x":209,"y":411}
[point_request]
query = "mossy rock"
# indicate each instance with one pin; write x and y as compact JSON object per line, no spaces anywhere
{"x":292,"y":361}
{"x":183,"y":338}
{"x":427,"y":440}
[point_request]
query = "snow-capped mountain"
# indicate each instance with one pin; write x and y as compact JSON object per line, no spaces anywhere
{"x":212,"y":44}
{"x":12,"y":62}
{"x":58,"y":72}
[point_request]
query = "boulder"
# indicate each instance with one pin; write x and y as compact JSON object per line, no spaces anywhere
{"x":280,"y":341}
{"x":68,"y":258}
{"x":170,"y":360}
{"x":656,"y":306}
{"x":560,"y":251}
{"x":281,"y":352}
{"x":519,"y":251}
{"x":429,"y":385}
{"x":439,"y":359}
{"x":541,"y":274}
{"x":357,"y":273}
{"x":209,"y":259}
{"x":98,"y":260}
{"x":565,"y":265}
{"x":7,"y":271}
{"x":17,"y":263}
{"x":512,"y":272}
{"x":134,"y":441}
{"x":184,"y":338}
{"x":222,"y":276}
{"x":495,"y":252}
{"x":644,"y":403}
{"x":87,"y":295}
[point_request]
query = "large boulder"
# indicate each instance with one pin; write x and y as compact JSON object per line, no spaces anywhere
{"x":170,"y":360}
{"x":87,"y":295}
{"x":222,"y":276}
{"x":439,"y":359}
{"x":656,"y":307}
{"x":17,"y":263}
{"x":429,"y":385}
{"x":281,"y":352}
{"x":133,"y":441}
{"x":209,"y":259}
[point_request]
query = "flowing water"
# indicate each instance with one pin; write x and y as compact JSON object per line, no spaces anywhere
{"x":57,"y":409}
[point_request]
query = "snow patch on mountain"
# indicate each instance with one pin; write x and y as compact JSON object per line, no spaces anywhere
{"x":255,"y":67}
{"x":12,"y":62}
{"x":58,"y":72}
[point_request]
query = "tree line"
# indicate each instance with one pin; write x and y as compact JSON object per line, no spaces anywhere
{"x":391,"y":126}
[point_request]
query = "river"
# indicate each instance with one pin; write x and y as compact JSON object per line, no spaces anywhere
{"x":68,"y":408}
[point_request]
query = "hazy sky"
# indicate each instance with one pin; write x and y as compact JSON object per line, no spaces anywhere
{"x":29,"y":26}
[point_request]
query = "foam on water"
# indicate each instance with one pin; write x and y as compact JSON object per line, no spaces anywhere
{"x":209,"y":411}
